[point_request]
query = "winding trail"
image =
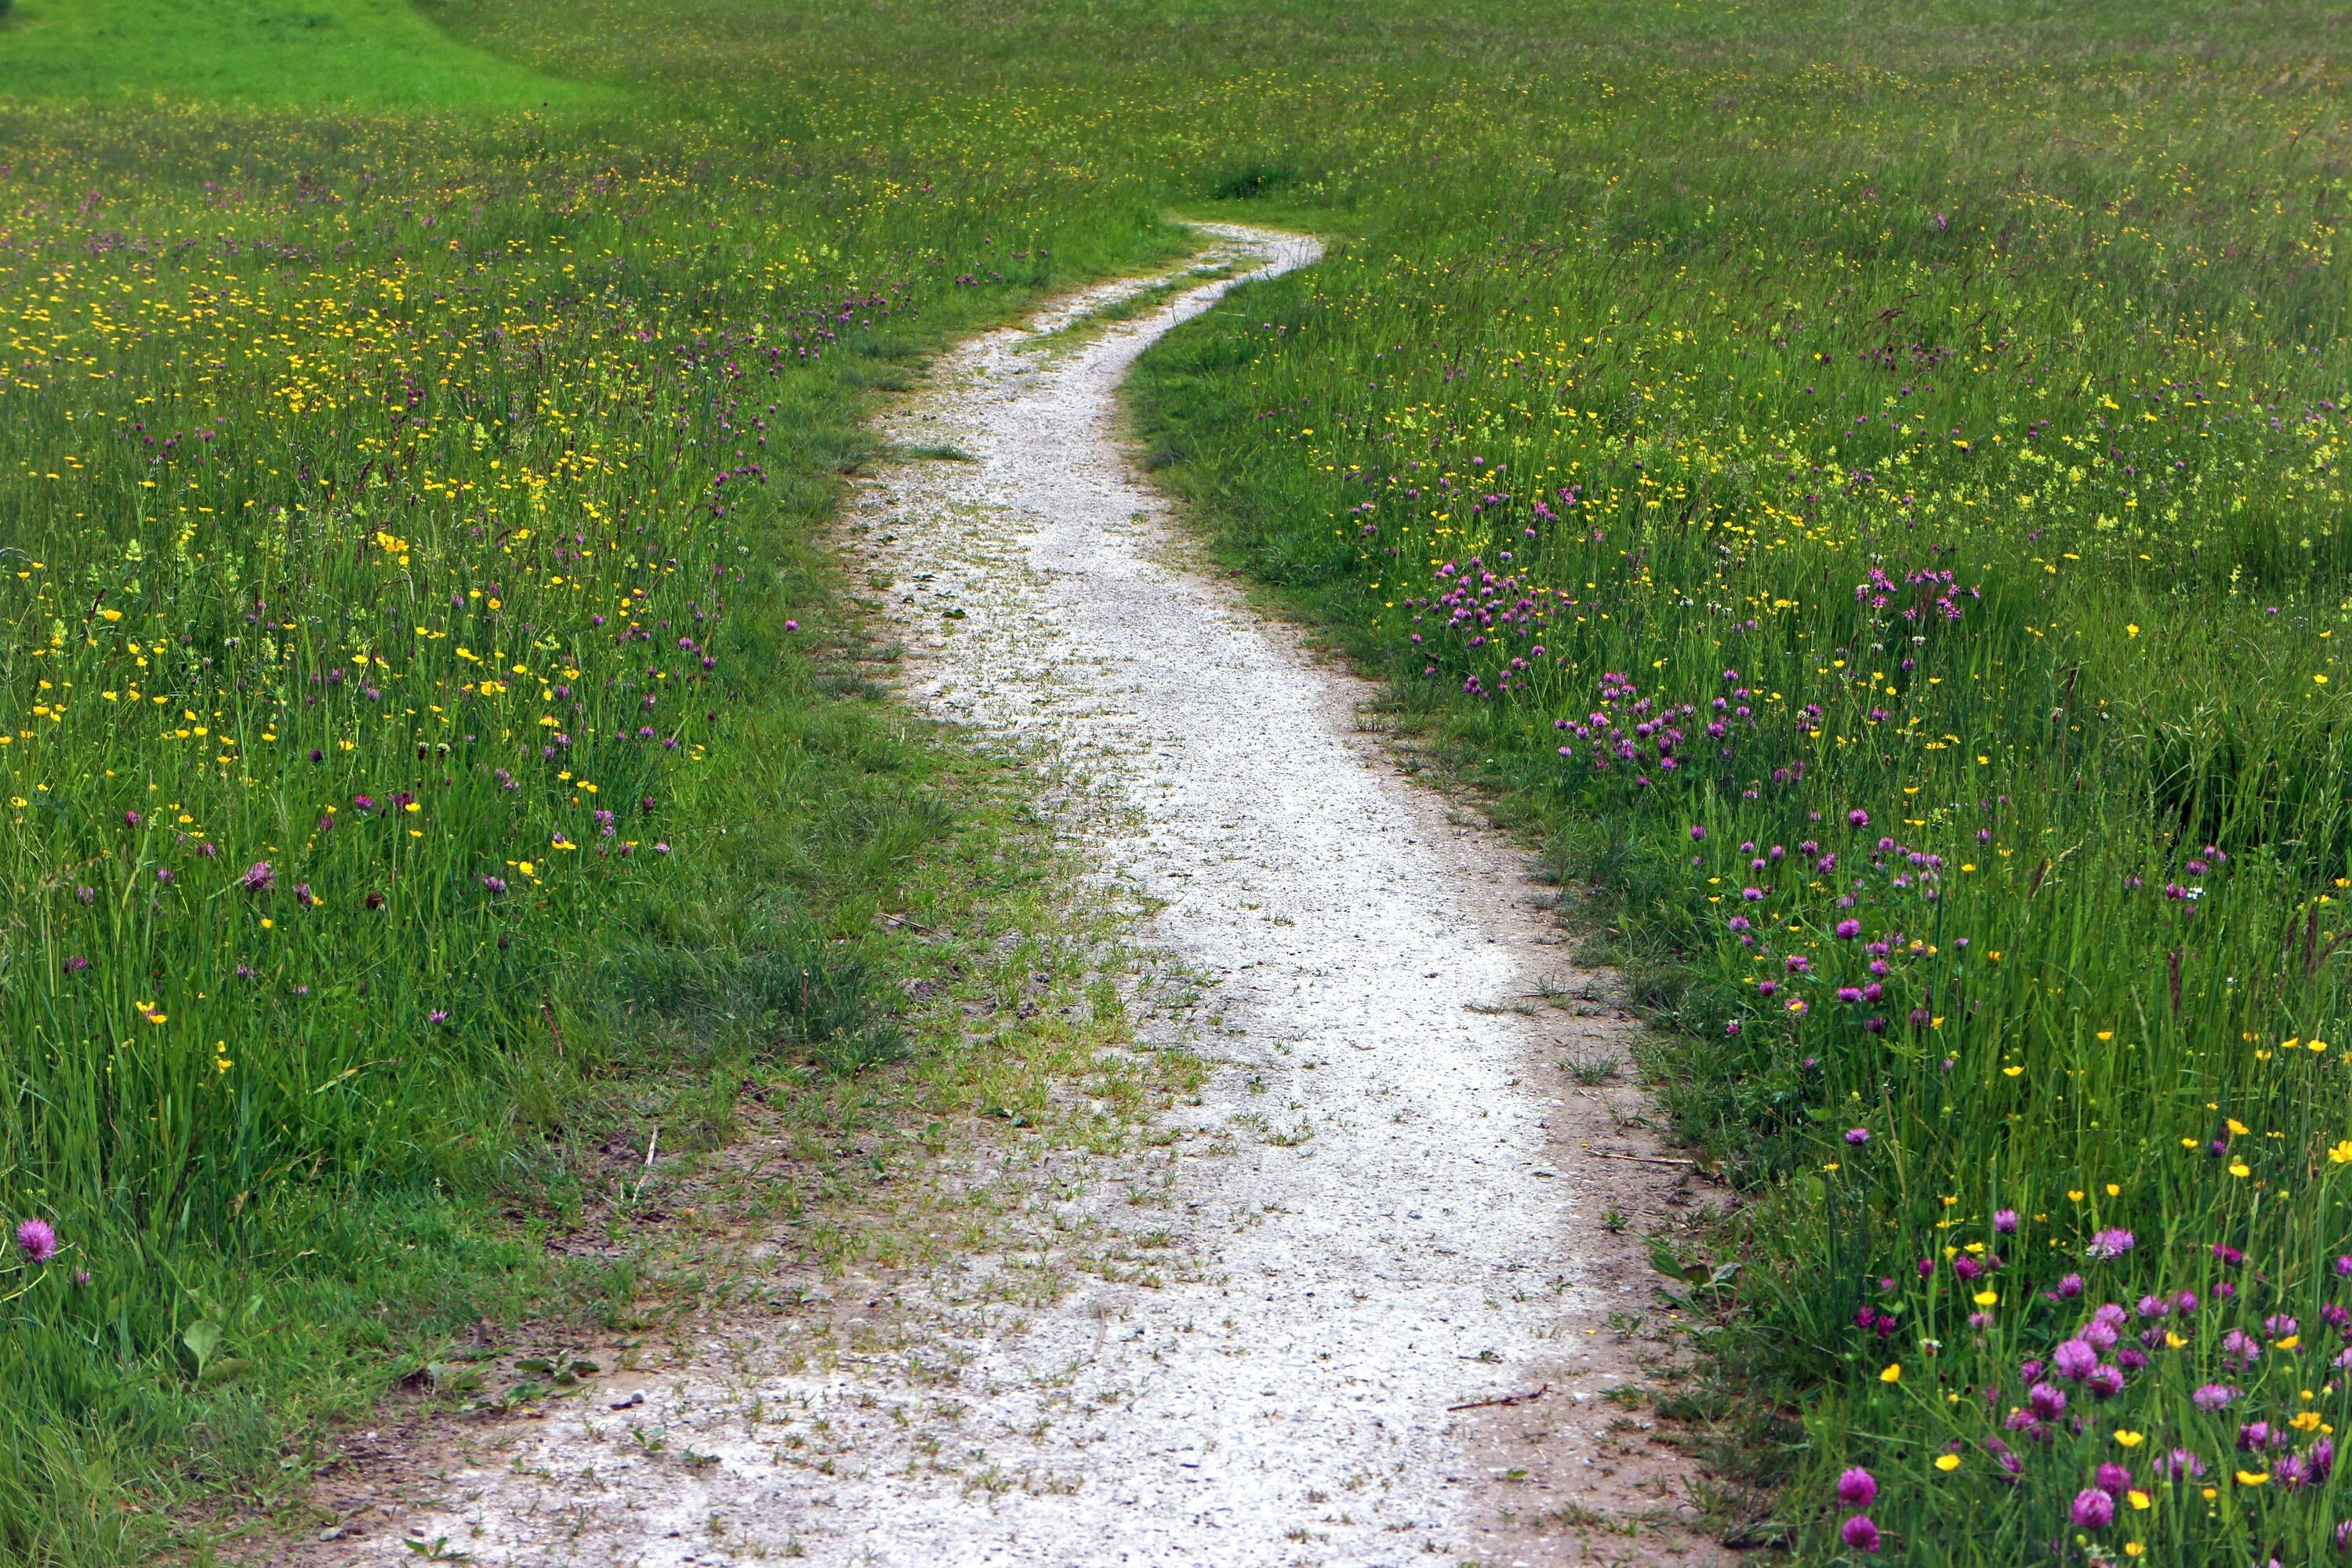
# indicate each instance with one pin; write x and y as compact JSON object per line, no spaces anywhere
{"x":1386,"y":1205}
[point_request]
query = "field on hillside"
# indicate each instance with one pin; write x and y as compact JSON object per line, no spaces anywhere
{"x":1862,"y":483}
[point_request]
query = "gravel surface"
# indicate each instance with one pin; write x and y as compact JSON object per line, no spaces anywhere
{"x":1243,"y":1340}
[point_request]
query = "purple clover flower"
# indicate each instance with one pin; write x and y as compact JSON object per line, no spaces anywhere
{"x":37,"y":1240}
{"x":2074,"y":1360}
{"x":2110,"y":1244}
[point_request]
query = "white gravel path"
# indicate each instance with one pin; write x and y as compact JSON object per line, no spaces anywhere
{"x":1386,"y":1204}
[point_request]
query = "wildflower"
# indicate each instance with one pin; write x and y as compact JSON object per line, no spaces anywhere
{"x":375,"y":901}
{"x":2004,"y":1222}
{"x":2074,"y":1360}
{"x":1857,"y":1488}
{"x":2093,"y":1509}
{"x":2214,"y":1397}
{"x":2109,"y":1244}
{"x":2114,"y":1480}
{"x":2106,"y":1382}
{"x":2048,"y":1404}
{"x":36,"y":1240}
{"x":2069,"y":1288}
{"x":259,"y":878}
{"x":1857,"y":818}
{"x":1860,"y":1534}
{"x":2179,"y":1465}
{"x":1847,"y":930}
{"x":2241,"y":1348}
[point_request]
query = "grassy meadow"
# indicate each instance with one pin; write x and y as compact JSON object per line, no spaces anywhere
{"x":1861,"y":483}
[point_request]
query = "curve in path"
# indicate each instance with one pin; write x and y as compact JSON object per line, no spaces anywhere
{"x":1385,"y":1205}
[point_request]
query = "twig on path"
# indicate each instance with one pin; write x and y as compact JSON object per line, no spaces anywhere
{"x":1504,"y":1399}
{"x":1643,"y":1159}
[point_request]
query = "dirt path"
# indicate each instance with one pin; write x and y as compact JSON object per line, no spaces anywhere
{"x":1386,"y":1203}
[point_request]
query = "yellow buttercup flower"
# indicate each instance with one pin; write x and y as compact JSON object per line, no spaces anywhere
{"x":1894,"y":1373}
{"x":1948,"y":1463}
{"x":2130,"y":1439}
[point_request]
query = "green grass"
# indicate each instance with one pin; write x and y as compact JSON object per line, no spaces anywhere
{"x":373,"y":54}
{"x":2047,"y":298}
